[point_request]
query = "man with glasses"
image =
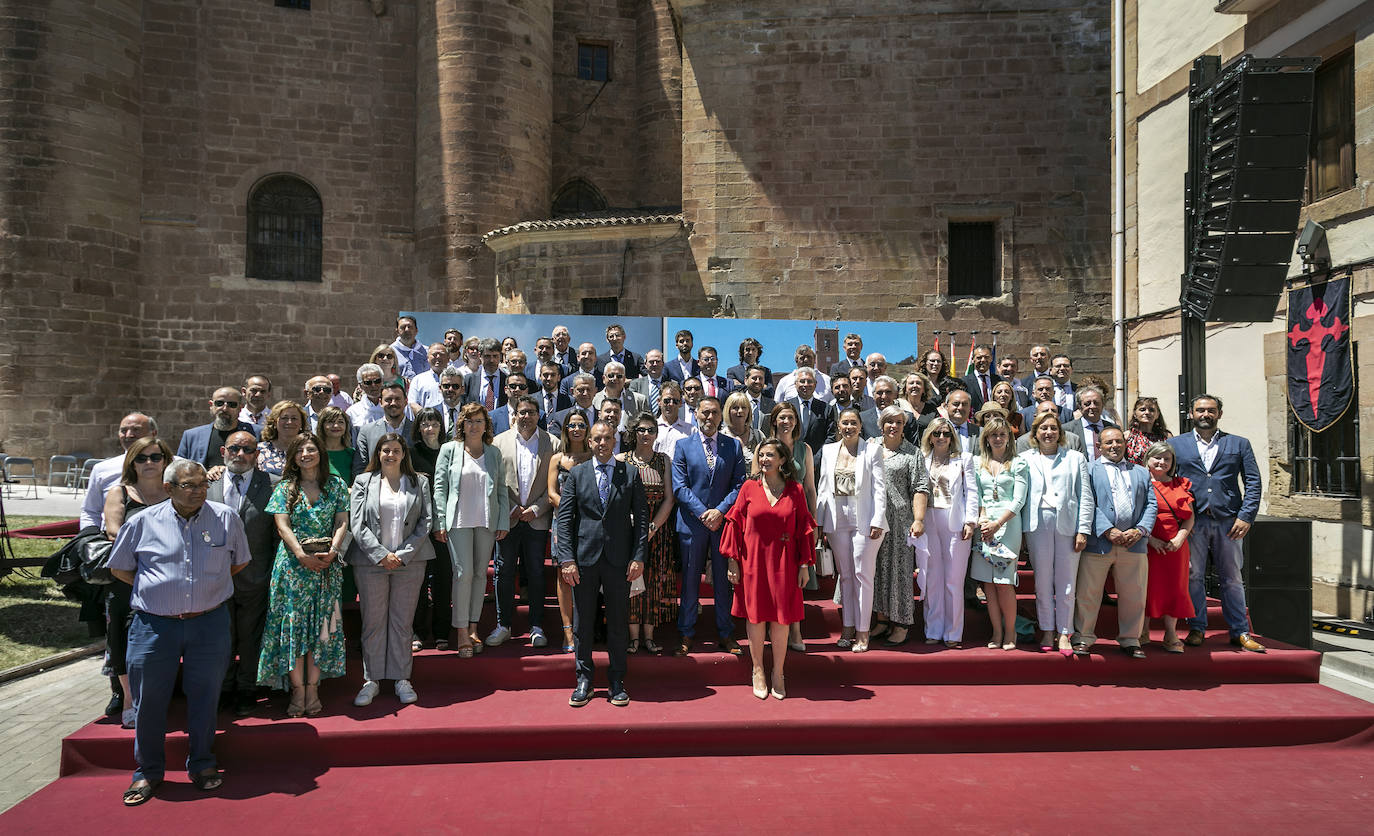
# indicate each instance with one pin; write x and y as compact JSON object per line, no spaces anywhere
{"x":692,"y":393}
{"x":246,"y":490}
{"x":525,"y":454}
{"x":504,"y":417}
{"x":631,"y":403}
{"x":453,"y":388}
{"x":368,"y":408}
{"x":672,"y":428}
{"x":552,"y":399}
{"x":179,"y":557}
{"x":317,"y":394}
{"x":487,"y":385}
{"x":582,"y":404}
{"x":615,"y":338}
{"x":203,"y":444}
{"x":105,"y":475}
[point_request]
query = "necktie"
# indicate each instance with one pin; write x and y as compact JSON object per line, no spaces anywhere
{"x":1121,"y":496}
{"x":803,"y":415}
{"x":603,"y":482}
{"x":453,"y":421}
{"x":548,"y":404}
{"x":1097,"y":444}
{"x":984,"y":379}
{"x":238,"y":491}
{"x":758,"y":415}
{"x":491,"y":392}
{"x":711,"y":386}
{"x":710,"y":452}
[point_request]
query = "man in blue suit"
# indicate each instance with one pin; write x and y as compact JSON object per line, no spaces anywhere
{"x":708,"y":469}
{"x":1217,"y":464}
{"x":1122,"y":522}
{"x":202,"y":444}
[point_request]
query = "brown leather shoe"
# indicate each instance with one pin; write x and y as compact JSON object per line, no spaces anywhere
{"x":1245,"y":642}
{"x":729,"y":645}
{"x":1195,"y":638}
{"x":683,"y":649}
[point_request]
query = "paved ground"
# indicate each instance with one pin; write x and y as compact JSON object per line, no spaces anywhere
{"x":54,"y":502}
{"x":35,"y":714}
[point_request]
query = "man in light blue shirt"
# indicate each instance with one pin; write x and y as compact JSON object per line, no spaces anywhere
{"x":180,"y":557}
{"x":411,"y":356}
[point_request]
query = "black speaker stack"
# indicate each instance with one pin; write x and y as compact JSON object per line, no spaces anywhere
{"x":1249,"y":139}
{"x":1278,"y":579}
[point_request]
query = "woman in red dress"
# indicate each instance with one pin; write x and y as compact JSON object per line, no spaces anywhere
{"x":1166,"y":593}
{"x":769,"y":537}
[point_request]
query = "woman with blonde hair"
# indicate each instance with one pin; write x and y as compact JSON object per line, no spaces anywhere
{"x":736,"y":421}
{"x":1001,"y":480}
{"x":574,"y":449}
{"x":951,"y":517}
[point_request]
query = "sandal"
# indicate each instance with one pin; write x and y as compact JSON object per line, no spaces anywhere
{"x":136,"y":795}
{"x":416,"y":645}
{"x":633,"y":646}
{"x":441,"y":644}
{"x":1176,"y":646}
{"x":465,"y":651}
{"x":844,"y":644}
{"x":296,"y":707}
{"x":955,"y":645}
{"x":653,"y":647}
{"x":477,"y":646}
{"x":212,"y":779}
{"x":568,"y":645}
{"x":313,"y":706}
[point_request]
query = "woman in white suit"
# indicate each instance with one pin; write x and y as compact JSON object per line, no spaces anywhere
{"x":951,"y":517}
{"x":471,"y":513}
{"x":1056,"y":520}
{"x":851,"y":507}
{"x":389,"y":516}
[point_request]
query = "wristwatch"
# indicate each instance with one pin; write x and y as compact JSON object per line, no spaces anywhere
{"x":652,"y":528}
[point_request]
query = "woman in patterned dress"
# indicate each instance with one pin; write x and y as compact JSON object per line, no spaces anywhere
{"x":303,"y":639}
{"x":1147,"y":428}
{"x":284,"y":422}
{"x":657,"y":604}
{"x":908,"y":491}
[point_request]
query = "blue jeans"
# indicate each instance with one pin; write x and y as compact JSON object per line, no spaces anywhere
{"x":157,"y":647}
{"x":696,"y":547}
{"x":1209,"y":539}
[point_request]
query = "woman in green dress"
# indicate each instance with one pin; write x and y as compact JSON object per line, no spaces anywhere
{"x":1002,"y":481}
{"x":336,"y":431}
{"x":303,"y":640}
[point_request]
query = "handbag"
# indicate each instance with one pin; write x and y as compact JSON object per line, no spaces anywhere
{"x":825,"y":559}
{"x":95,"y":561}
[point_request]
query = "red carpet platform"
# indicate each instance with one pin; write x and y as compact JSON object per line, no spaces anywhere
{"x":982,"y":739}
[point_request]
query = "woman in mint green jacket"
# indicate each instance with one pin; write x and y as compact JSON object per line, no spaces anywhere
{"x":471,"y":513}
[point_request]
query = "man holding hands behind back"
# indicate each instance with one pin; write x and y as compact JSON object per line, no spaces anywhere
{"x":603,"y":538}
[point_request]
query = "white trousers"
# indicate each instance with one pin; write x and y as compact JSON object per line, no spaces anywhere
{"x":856,"y":557}
{"x":943,"y":592}
{"x":1056,"y":574}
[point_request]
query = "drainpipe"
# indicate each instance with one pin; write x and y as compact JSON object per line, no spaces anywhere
{"x":1119,"y":206}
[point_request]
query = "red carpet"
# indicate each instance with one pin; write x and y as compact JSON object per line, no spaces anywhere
{"x":982,"y":739}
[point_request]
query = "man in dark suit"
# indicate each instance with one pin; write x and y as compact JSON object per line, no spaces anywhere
{"x":582,"y":403}
{"x":957,"y":408}
{"x":684,"y":365}
{"x":1090,"y":426}
{"x":1040,"y":364}
{"x":1219,"y":465}
{"x":817,"y":422}
{"x":487,"y":385}
{"x":394,"y":420}
{"x":202,"y":444}
{"x":1061,"y":369}
{"x":615,"y":338}
{"x":563,"y":353}
{"x":708,"y":469}
{"x":245,"y":489}
{"x":550,"y":396}
{"x":1006,"y":369}
{"x":983,"y":378}
{"x":503,"y":417}
{"x":648,"y":384}
{"x":853,"y":356}
{"x":1122,"y":523}
{"x":884,"y":395}
{"x":762,"y":406}
{"x":712,"y":384}
{"x":603,"y":538}
{"x":586,"y":362}
{"x":1042,"y":389}
{"x":453,"y":387}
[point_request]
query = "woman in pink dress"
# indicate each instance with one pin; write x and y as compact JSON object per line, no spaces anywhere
{"x":1166,"y":592}
{"x":769,"y":538}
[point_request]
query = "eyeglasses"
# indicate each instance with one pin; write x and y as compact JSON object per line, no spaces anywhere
{"x":374,"y":382}
{"x":386,"y":356}
{"x":517,"y":387}
{"x":155,"y":458}
{"x":222,"y":402}
{"x":647,"y":430}
{"x":320,"y":390}
{"x":193,"y":487}
{"x":239,"y":448}
{"x":669,"y":400}
{"x":941,"y":434}
{"x":451,"y":386}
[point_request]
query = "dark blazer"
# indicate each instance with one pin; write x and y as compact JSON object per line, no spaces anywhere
{"x":1142,"y":513}
{"x":634,"y":365}
{"x":722,"y":388}
{"x":871,"y":428}
{"x":975,"y":389}
{"x":1217,"y":492}
{"x":1028,"y":415}
{"x":818,"y":429}
{"x":368,"y":437}
{"x":259,"y":527}
{"x":697,"y":487}
{"x":735,"y":378}
{"x":1077,"y":428}
{"x":673,"y":370}
{"x":474,"y":392}
{"x":557,"y":420}
{"x":195,"y":442}
{"x":561,"y":401}
{"x":565,"y":386}
{"x":569,"y":361}
{"x":589,"y":532}
{"x":765,"y":409}
{"x":842,"y":367}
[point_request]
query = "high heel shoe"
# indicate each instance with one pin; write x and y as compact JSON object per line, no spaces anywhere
{"x":1047,"y":641}
{"x":1065,"y":646}
{"x":568,"y":645}
{"x":779,"y":689}
{"x":760,"y":684}
{"x":313,"y":706}
{"x":296,"y":707}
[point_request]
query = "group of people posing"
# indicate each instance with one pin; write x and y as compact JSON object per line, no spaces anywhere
{"x":635,"y":474}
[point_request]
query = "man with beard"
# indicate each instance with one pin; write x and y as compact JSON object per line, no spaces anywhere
{"x":202,"y":444}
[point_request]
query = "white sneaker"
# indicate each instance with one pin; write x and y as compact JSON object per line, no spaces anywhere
{"x":126,"y":720}
{"x":498,"y":636}
{"x":405,"y":692}
{"x":367,"y":694}
{"x":537,"y":638}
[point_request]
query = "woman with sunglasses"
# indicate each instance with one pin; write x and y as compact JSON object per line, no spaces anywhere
{"x":573,"y":450}
{"x":951,"y":517}
{"x":385,"y":357}
{"x":140,"y":485}
{"x":658,"y":603}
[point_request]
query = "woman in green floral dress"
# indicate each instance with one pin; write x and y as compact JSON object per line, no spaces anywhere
{"x":303,"y":640}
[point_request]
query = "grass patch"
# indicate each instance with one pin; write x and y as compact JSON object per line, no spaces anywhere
{"x":36,"y":621}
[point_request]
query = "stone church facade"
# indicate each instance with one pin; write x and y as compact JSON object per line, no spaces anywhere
{"x":944,"y":162}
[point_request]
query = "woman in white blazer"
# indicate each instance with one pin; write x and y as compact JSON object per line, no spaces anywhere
{"x":851,"y":507}
{"x":471,"y":513}
{"x":951,"y":517}
{"x":389,"y":517}
{"x":1056,"y":521}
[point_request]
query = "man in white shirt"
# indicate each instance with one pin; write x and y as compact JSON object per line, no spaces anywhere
{"x":562,"y":343}
{"x":369,"y":406}
{"x":672,"y":428}
{"x":543,"y":353}
{"x":341,"y":399}
{"x":786,"y":387}
{"x":586,"y":362}
{"x":317,"y":395}
{"x":525,"y":454}
{"x":1090,"y":426}
{"x":1061,"y":370}
{"x":649,"y":383}
{"x":453,"y":388}
{"x":424,"y":387}
{"x":691,"y":396}
{"x":611,"y":414}
{"x":257,"y":397}
{"x":106,"y":473}
{"x":683,"y":365}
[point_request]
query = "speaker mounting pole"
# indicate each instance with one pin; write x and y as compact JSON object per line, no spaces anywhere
{"x":1192,"y":327}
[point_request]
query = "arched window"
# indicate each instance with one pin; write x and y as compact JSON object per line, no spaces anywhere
{"x":284,"y":237}
{"x":578,"y":197}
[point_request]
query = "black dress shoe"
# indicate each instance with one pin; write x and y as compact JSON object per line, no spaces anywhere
{"x":582,"y":694}
{"x":618,"y":695}
{"x":684,"y":648}
{"x":729,"y":645}
{"x":115,"y":706}
{"x":1081,"y":649}
{"x":244,"y":703}
{"x":1132,"y":652}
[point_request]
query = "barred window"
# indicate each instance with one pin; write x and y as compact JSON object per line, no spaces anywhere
{"x":1328,"y":463}
{"x":600,"y":306}
{"x":973,"y":259}
{"x":577,"y":197}
{"x":593,"y":61}
{"x":284,"y":230}
{"x":294,"y":4}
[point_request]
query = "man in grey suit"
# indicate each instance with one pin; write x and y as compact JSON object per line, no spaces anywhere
{"x":649,"y":383}
{"x":958,"y":408}
{"x":525,"y":454}
{"x":393,"y":420}
{"x":884,"y":395}
{"x":245,"y":490}
{"x":603,"y":538}
{"x":631,"y":402}
{"x":1090,"y":426}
